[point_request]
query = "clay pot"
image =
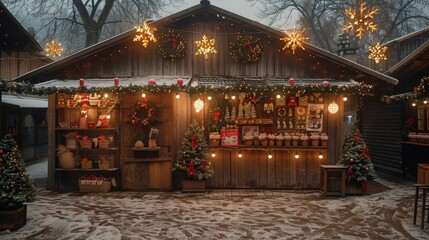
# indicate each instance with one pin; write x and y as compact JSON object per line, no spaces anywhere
{"x":139,"y":144}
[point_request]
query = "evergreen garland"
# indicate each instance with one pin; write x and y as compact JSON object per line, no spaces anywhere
{"x":16,"y":186}
{"x":246,"y":49}
{"x":171,"y":45}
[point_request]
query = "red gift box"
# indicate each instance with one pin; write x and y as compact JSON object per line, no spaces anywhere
{"x":91,"y":124}
{"x":229,"y":137}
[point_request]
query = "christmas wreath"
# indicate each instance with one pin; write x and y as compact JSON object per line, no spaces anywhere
{"x":246,"y":49}
{"x":171,"y":45}
{"x":142,"y":113}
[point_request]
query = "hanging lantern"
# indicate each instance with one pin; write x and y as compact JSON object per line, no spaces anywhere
{"x":198,"y":105}
{"x":333,"y":108}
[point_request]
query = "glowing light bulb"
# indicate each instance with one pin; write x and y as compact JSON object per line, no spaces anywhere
{"x":413,"y":104}
{"x":144,"y":95}
{"x":233,"y":97}
{"x":296,"y":156}
{"x":106,"y":95}
{"x":177,"y":96}
{"x":278,"y":96}
{"x":425,"y":102}
{"x":108,"y":116}
{"x":209,"y":98}
{"x":270,"y":156}
{"x":240,"y":155}
{"x":320,"y":156}
{"x":213,"y":154}
{"x":345,"y":99}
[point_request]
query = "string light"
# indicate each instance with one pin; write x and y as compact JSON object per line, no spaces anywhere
{"x":296,"y":155}
{"x":320,"y":156}
{"x":360,"y":20}
{"x":413,"y":104}
{"x":145,"y":34}
{"x":294,"y":39}
{"x":270,"y":156}
{"x":143,"y":95}
{"x":177,"y":96}
{"x":377,"y":53}
{"x":53,"y":49}
{"x":205,"y":46}
{"x":240,"y":155}
{"x":345,"y":99}
{"x":213,"y":154}
{"x":209,"y":98}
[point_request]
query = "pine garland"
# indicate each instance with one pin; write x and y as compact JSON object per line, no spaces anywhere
{"x":171,"y":45}
{"x":246,"y":49}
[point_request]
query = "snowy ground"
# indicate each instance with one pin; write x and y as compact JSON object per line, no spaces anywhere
{"x":219,"y":214}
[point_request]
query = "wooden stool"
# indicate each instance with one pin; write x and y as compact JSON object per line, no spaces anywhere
{"x":425,"y":188}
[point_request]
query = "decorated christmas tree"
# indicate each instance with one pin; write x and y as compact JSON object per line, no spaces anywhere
{"x":193,"y":158}
{"x":16,"y":186}
{"x":356,"y":158}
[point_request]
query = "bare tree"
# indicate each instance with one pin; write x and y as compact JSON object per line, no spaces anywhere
{"x":75,"y":21}
{"x":325,"y":18}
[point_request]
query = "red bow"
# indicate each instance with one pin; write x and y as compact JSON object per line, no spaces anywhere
{"x":357,"y":137}
{"x":365,"y":153}
{"x":216,"y":116}
{"x":191,"y":169}
{"x":172,"y":40}
{"x":193,"y":142}
{"x":248,"y":45}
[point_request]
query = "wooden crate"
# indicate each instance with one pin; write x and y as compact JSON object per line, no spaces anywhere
{"x":13,"y":219}
{"x":103,"y":188}
{"x":423,"y":173}
{"x":193,"y":186}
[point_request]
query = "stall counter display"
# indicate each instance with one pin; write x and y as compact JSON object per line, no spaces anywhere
{"x":229,"y":137}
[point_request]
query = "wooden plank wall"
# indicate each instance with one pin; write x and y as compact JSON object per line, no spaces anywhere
{"x":14,"y":64}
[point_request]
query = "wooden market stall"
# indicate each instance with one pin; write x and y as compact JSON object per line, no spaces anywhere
{"x":249,"y":65}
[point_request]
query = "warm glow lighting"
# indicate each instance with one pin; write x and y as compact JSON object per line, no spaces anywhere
{"x":108,"y":116}
{"x":233,"y":97}
{"x":177,"y":96}
{"x":240,"y":155}
{"x":278,"y":96}
{"x":145,"y":34}
{"x":106,"y":95}
{"x":270,"y":156}
{"x":198,"y":105}
{"x":296,"y":155}
{"x":413,"y":104}
{"x":320,"y":155}
{"x":333,"y":108}
{"x":360,"y":20}
{"x":294,"y":39}
{"x":205,"y":46}
{"x":53,"y":49}
{"x":377,"y":53}
{"x":144,"y":95}
{"x":345,"y":99}
{"x":425,"y":102}
{"x":213,"y":154}
{"x":209,"y":98}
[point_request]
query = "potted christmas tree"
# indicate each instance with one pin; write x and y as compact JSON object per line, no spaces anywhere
{"x":192,"y":161}
{"x":16,"y":187}
{"x":356,"y":158}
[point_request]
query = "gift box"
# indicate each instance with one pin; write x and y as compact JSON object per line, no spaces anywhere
{"x":91,"y":124}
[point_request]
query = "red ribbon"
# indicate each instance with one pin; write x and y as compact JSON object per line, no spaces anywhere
{"x":357,"y":137}
{"x":365,"y":153}
{"x":193,"y":141}
{"x":248,"y":45}
{"x":173,"y":40}
{"x":191,"y":169}
{"x":216,"y":116}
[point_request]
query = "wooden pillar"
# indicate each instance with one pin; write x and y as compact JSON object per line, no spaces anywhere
{"x":51,"y":141}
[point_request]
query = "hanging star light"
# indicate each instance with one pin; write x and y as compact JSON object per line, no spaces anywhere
{"x":294,"y":39}
{"x":377,"y":53}
{"x":145,"y":34}
{"x":205,"y":46}
{"x":53,"y":49}
{"x":361,"y":21}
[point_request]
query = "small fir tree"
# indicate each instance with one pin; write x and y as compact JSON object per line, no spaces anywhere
{"x":16,"y":186}
{"x":193,"y":158}
{"x":356,"y":158}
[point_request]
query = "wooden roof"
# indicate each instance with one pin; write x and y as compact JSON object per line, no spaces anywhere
{"x":207,"y":11}
{"x":407,"y":36}
{"x":13,"y":37}
{"x":413,"y":64}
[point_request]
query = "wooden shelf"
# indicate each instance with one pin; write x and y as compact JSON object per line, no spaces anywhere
{"x":417,"y":144}
{"x":93,"y":149}
{"x":86,"y":170}
{"x":142,"y":160}
{"x":77,"y":108}
{"x":86,"y":129}
{"x":146,"y":149}
{"x":275,"y":148}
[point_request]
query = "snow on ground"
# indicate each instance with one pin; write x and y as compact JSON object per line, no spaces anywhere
{"x":221,"y":214}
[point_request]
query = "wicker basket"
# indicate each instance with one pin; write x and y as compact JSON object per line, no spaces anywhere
{"x":86,"y":165}
{"x":85,"y":144}
{"x":103,"y":143}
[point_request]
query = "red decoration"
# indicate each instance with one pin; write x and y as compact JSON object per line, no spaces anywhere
{"x":357,"y":137}
{"x":205,"y":165}
{"x":365,"y":186}
{"x":1,"y":151}
{"x":365,"y":153}
{"x":81,"y":82}
{"x":269,"y":100}
{"x":291,"y":81}
{"x":216,"y":116}
{"x":173,"y":40}
{"x":351,"y":160}
{"x":349,"y":172}
{"x":1,"y":167}
{"x":191,"y":169}
{"x":116,"y":81}
{"x":152,"y":82}
{"x":325,"y":83}
{"x":292,"y":101}
{"x":193,"y":142}
{"x":248,"y":45}
{"x":142,"y":112}
{"x":410,"y":122}
{"x":180,"y":82}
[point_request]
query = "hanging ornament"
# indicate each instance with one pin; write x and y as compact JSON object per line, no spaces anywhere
{"x":205,"y":46}
{"x":325,"y":83}
{"x":191,"y":169}
{"x":365,"y":153}
{"x":357,"y":137}
{"x":53,"y":49}
{"x":268,"y":105}
{"x":294,"y":39}
{"x":349,"y":172}
{"x":180,"y":82}
{"x":193,"y":142}
{"x":152,"y":82}
{"x":292,"y":101}
{"x":361,"y":20}
{"x":145,"y":34}
{"x":291,"y":81}
{"x":377,"y":53}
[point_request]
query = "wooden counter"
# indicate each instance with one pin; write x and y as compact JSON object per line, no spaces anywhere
{"x":256,"y":170}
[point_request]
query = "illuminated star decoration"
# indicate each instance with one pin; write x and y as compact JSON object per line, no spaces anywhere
{"x":145,"y":34}
{"x":294,"y":39}
{"x":377,"y":53}
{"x":53,"y":49}
{"x":361,"y":21}
{"x":205,"y":46}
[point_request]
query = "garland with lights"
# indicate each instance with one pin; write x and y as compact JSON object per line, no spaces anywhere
{"x":171,"y":45}
{"x":246,"y":49}
{"x":142,"y":113}
{"x":419,"y":95}
{"x":16,"y":87}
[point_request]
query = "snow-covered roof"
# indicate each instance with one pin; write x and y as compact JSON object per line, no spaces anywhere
{"x":25,"y":102}
{"x":103,"y":82}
